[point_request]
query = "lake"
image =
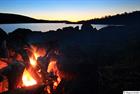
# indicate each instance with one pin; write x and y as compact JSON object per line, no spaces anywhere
{"x":42,"y":26}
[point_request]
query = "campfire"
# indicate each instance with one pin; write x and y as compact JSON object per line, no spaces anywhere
{"x":40,"y":69}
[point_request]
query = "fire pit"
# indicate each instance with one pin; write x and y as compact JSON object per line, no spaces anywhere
{"x":39,"y":73}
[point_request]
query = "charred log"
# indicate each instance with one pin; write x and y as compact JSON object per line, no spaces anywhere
{"x":13,"y":72}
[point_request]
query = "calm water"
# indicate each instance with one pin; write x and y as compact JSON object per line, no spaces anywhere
{"x":42,"y":26}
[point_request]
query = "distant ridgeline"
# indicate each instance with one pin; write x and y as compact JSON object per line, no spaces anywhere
{"x":14,"y":18}
{"x":132,"y":18}
{"x":6,"y":18}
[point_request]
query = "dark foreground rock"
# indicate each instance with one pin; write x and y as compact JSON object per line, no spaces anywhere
{"x":87,"y":27}
{"x":3,"y":37}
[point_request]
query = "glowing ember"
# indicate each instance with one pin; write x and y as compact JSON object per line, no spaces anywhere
{"x":27,"y":79}
{"x":48,"y":90}
{"x":52,"y":67}
{"x":3,"y":64}
{"x":4,"y":86}
{"x":19,"y":57}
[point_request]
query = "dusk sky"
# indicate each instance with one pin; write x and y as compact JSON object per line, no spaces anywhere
{"x":72,"y":10}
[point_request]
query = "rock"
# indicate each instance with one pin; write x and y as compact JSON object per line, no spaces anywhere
{"x":19,"y":34}
{"x":77,"y":28}
{"x":3,"y":37}
{"x":68,"y":29}
{"x":18,"y":38}
{"x":86,"y":27}
{"x":59,"y":30}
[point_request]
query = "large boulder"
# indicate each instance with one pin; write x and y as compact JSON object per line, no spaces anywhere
{"x":68,"y":29}
{"x":18,"y":38}
{"x":87,"y":27}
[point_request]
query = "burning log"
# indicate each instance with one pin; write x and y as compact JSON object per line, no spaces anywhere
{"x":43,"y":63}
{"x":13,"y":72}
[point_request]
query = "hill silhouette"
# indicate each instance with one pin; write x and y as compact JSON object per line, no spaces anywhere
{"x":15,"y":18}
{"x":132,"y":18}
{"x":120,"y":19}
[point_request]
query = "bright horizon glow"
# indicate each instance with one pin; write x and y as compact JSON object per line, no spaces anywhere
{"x":67,"y":16}
{"x":71,"y":10}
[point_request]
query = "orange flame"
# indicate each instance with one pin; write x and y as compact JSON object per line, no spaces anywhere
{"x":35,"y":52}
{"x":3,"y":64}
{"x":52,"y":67}
{"x":27,"y":79}
{"x":19,"y":57}
{"x":33,"y":61}
{"x":48,"y":90}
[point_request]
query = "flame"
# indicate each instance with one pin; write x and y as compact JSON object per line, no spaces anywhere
{"x":48,"y":90}
{"x":52,"y":67}
{"x":38,"y":52}
{"x":3,"y":64}
{"x":33,"y":52}
{"x":27,"y":79}
{"x":19,"y":57}
{"x":33,"y":61}
{"x":34,"y":73}
{"x":4,"y":86}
